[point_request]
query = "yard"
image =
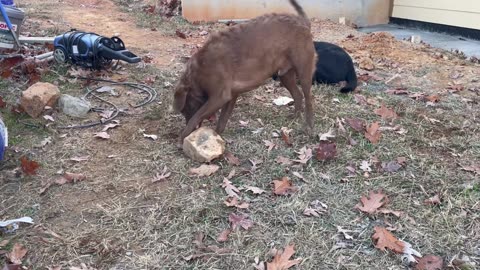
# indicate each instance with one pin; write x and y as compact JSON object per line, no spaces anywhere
{"x":139,"y":207}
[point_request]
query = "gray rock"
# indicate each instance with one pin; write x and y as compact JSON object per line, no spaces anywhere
{"x":73,"y":106}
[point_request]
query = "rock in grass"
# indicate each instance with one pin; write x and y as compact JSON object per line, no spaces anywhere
{"x":37,"y":97}
{"x":204,"y":145}
{"x":73,"y":106}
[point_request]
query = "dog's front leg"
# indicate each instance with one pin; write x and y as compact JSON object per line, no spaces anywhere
{"x":225,"y":115}
{"x":212,"y":105}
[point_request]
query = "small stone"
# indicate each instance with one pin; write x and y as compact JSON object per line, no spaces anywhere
{"x":416,"y":39}
{"x":366,"y":63}
{"x":37,"y":97}
{"x":73,"y":106}
{"x":204,"y":145}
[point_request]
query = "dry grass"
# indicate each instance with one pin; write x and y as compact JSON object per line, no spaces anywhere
{"x":118,"y":219}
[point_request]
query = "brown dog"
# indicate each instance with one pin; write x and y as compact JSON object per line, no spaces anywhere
{"x":242,"y":58}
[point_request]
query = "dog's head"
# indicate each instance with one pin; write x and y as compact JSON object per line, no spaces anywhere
{"x":186,"y":102}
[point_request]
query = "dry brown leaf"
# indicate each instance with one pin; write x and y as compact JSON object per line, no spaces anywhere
{"x":29,"y":167}
{"x":240,"y":221}
{"x":16,"y":255}
{"x":281,"y":260}
{"x":356,"y":124}
{"x":387,"y":211}
{"x":392,"y":166}
{"x":223,"y":237}
{"x":433,"y":98}
{"x":109,"y":126}
{"x":429,"y":262}
{"x":316,"y":208}
{"x":326,"y":151}
{"x":270,"y":145}
{"x":384,"y":239}
{"x":360,"y":99}
{"x":386,"y":113}
{"x":327,"y":136}
{"x":161,"y":176}
{"x":230,"y":189}
{"x":286,"y":136}
{"x":102,"y":135}
{"x":204,"y":170}
{"x":255,"y":190}
{"x":233,"y":202}
{"x":284,"y":161}
{"x":372,"y":203}
{"x":304,"y":155}
{"x":435,"y":200}
{"x":70,"y":178}
{"x":373,"y":133}
{"x":231,"y":159}
{"x":284,"y":186}
{"x":150,"y":136}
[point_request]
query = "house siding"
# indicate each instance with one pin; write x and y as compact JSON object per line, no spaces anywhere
{"x":362,"y":13}
{"x":460,"y":13}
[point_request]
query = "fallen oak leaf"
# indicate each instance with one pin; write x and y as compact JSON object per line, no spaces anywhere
{"x":109,"y":126}
{"x":70,"y":178}
{"x":3,"y":104}
{"x":372,"y":203}
{"x":429,"y":262}
{"x":270,"y":145}
{"x":231,"y":159}
{"x":255,"y":190}
{"x":161,"y":176}
{"x":433,"y":98}
{"x":284,"y":161}
{"x":233,"y":202}
{"x":383,"y":240}
{"x":356,"y":124}
{"x":387,"y":211}
{"x":373,"y":133}
{"x":16,"y":255}
{"x":241,"y":220}
{"x":327,"y":136}
{"x":435,"y":200}
{"x":284,"y":186}
{"x":223,"y":237}
{"x":326,"y":151}
{"x":286,"y":136}
{"x":49,"y":118}
{"x":230,"y":189}
{"x":281,"y":260}
{"x":315,"y":209}
{"x":304,"y":155}
{"x":29,"y":167}
{"x":102,"y":135}
{"x":391,"y":167}
{"x":204,"y":170}
{"x":150,"y":136}
{"x":386,"y":113}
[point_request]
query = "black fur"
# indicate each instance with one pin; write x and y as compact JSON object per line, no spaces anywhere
{"x":334,"y":65}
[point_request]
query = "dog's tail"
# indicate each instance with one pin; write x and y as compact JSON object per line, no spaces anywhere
{"x":351,"y":81}
{"x":299,"y":9}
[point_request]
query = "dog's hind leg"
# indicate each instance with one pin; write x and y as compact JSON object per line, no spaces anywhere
{"x":225,"y":115}
{"x":289,"y":81}
{"x":305,"y":68}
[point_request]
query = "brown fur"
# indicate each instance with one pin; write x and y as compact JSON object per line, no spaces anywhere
{"x":242,"y":58}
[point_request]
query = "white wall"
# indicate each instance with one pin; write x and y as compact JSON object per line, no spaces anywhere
{"x":360,"y":12}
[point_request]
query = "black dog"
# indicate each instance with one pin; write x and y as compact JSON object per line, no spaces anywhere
{"x":334,"y":65}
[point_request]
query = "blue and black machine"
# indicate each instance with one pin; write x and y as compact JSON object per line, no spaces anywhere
{"x":90,"y":50}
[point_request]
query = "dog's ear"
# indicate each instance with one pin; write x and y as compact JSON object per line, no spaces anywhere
{"x":179,"y":99}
